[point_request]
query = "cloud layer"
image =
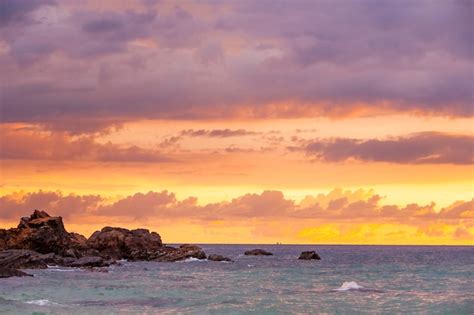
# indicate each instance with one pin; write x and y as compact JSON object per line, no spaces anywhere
{"x":30,"y":143}
{"x":67,"y":63}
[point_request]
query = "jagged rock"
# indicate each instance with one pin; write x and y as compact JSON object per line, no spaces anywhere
{"x":257,"y":252}
{"x":170,"y":254}
{"x":214,"y":257}
{"x":44,"y":234}
{"x":8,"y":272}
{"x":93,"y":261}
{"x":119,"y":243}
{"x":40,"y":240}
{"x":309,"y":255}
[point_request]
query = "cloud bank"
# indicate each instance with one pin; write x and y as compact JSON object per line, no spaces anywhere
{"x":213,"y":60}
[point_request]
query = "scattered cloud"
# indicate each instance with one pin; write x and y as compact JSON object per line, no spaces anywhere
{"x":218,"y":133}
{"x":27,"y":144}
{"x":337,"y":205}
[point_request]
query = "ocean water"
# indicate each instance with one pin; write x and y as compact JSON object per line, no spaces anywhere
{"x":348,"y":280}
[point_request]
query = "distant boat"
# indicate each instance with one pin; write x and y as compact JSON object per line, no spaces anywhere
{"x":278,"y":243}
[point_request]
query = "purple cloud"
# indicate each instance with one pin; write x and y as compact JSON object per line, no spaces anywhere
{"x":322,"y":58}
{"x":419,"y":148}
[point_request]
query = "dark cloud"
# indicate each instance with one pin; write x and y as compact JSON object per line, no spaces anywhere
{"x":419,"y":148}
{"x":244,"y":60}
{"x":17,"y":11}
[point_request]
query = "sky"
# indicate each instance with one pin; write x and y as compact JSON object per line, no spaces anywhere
{"x":303,"y":122}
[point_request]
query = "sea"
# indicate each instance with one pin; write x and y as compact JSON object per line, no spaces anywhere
{"x":347,"y":280}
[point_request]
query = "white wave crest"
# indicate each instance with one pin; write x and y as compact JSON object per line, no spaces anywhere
{"x":41,"y":302}
{"x":192,"y":259}
{"x":347,"y":286}
{"x":62,"y":269}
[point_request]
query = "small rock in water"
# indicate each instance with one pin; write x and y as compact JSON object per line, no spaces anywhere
{"x":218,"y":258}
{"x":257,"y":252}
{"x":309,"y":255}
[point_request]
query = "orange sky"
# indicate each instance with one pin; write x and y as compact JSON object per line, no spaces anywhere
{"x":223,"y":123}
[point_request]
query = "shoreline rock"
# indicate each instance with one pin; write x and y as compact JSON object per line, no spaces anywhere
{"x":41,"y":240}
{"x":257,"y":252}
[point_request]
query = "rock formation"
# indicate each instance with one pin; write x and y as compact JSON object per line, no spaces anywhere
{"x":257,"y":252}
{"x":309,"y":255}
{"x":41,"y":240}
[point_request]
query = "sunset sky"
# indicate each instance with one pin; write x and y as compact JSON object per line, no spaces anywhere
{"x":326,"y":122}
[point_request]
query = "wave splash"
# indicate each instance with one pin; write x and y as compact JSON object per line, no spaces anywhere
{"x":41,"y":302}
{"x":350,"y":285}
{"x":192,"y":259}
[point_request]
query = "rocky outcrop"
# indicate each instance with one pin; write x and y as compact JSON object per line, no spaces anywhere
{"x":41,"y":240}
{"x":170,"y":254}
{"x":119,"y":243}
{"x":257,"y":252}
{"x":214,"y":257}
{"x":309,"y":255}
{"x":43,"y":234}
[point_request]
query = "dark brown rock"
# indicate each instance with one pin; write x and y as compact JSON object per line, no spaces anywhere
{"x":40,"y":240}
{"x":214,"y":257}
{"x":170,"y":254}
{"x":309,"y":255}
{"x":257,"y":252}
{"x":8,"y":272}
{"x":119,"y":243}
{"x":43,"y":234}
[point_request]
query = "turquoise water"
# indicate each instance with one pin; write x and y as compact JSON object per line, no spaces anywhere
{"x":393,"y":279}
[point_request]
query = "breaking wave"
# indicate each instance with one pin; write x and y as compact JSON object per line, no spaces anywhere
{"x":354,"y":286}
{"x":350,"y":285}
{"x":41,"y":302}
{"x":192,"y":259}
